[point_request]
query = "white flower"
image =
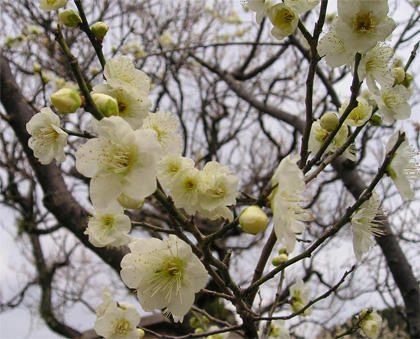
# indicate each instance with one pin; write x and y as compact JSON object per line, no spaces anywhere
{"x":217,"y":188}
{"x":392,"y":103}
{"x":318,"y":135}
{"x":165,"y":124}
{"x":288,"y":214}
{"x":47,"y":138}
{"x":403,"y":167}
{"x":277,"y":330}
{"x":106,"y":301}
{"x":359,"y":115}
{"x":371,"y":324}
{"x":117,"y":321}
{"x":119,"y":161}
{"x":260,"y":7}
{"x":364,"y":225}
{"x":166,"y":39}
{"x":284,"y":20}
{"x":334,"y":51}
{"x":109,"y":227}
{"x":361,"y":24}
{"x":120,"y":72}
{"x":51,"y":5}
{"x":301,"y":6}
{"x":133,"y":104}
{"x":299,"y":294}
{"x":169,"y":166}
{"x":165,"y":273}
{"x":374,"y":67}
{"x":185,"y":189}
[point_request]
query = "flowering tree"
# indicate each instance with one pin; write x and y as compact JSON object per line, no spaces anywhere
{"x":212,"y":166}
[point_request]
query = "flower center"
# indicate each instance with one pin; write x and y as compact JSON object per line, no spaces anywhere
{"x":117,"y":159}
{"x":364,"y":23}
{"x":122,"y":107}
{"x":108,"y":220}
{"x":122,"y":327}
{"x":283,"y":17}
{"x":190,"y":184}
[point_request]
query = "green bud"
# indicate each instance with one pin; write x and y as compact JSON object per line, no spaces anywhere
{"x":94,"y":71}
{"x":70,"y":18}
{"x":105,"y":104}
{"x":283,"y":250}
{"x":66,"y":100}
{"x":376,"y":120}
{"x":329,"y":121}
{"x":407,"y":80}
{"x":253,"y":220}
{"x":99,"y":30}
{"x":37,"y":68}
{"x":194,"y":322}
{"x":205,"y":320}
{"x":141,"y":333}
{"x":198,"y":330}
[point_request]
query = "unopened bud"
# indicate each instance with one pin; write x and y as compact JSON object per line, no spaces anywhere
{"x":37,"y":68}
{"x":94,"y":71}
{"x":198,"y":330}
{"x":277,"y":261}
{"x":329,"y":121}
{"x":70,"y":18}
{"x":130,"y":203}
{"x":141,"y":333}
{"x":194,"y":322}
{"x":253,"y":220}
{"x":105,"y":104}
{"x":99,"y":30}
{"x":66,"y":100}
{"x":407,"y":80}
{"x":376,"y":120}
{"x":399,"y":74}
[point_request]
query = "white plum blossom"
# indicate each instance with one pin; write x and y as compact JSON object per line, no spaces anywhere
{"x":165,"y":273}
{"x":165,"y":124}
{"x":365,"y":225}
{"x":371,"y":325}
{"x":359,"y":115}
{"x":109,"y":227}
{"x":361,"y":24}
{"x":133,"y":104}
{"x":119,"y":161}
{"x":185,"y":189}
{"x":218,"y":189}
{"x":116,"y":320}
{"x":301,"y":6}
{"x":392,"y":103}
{"x":51,"y":5}
{"x":169,"y":166}
{"x":260,"y":7}
{"x":47,"y":138}
{"x":403,"y":167}
{"x":299,"y":294}
{"x":374,"y":66}
{"x":286,"y":197}
{"x":334,"y":51}
{"x":284,"y":20}
{"x":120,"y":72}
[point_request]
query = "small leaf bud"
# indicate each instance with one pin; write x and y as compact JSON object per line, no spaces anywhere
{"x":253,"y":220}
{"x":99,"y":30}
{"x":66,"y":100}
{"x":70,"y":18}
{"x":106,"y":104}
{"x":329,"y":121}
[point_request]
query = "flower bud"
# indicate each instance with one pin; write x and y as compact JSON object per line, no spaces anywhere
{"x":99,"y":30}
{"x":277,"y":261}
{"x":70,"y":18}
{"x":105,"y":104}
{"x":141,"y":333}
{"x":407,"y":80}
{"x":66,"y":100}
{"x":94,"y":71}
{"x":399,"y":74}
{"x":37,"y":68}
{"x":376,"y":120}
{"x":198,"y":330}
{"x":297,"y":305}
{"x":194,"y":322}
{"x":329,"y":121}
{"x":253,"y":220}
{"x":130,"y":203}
